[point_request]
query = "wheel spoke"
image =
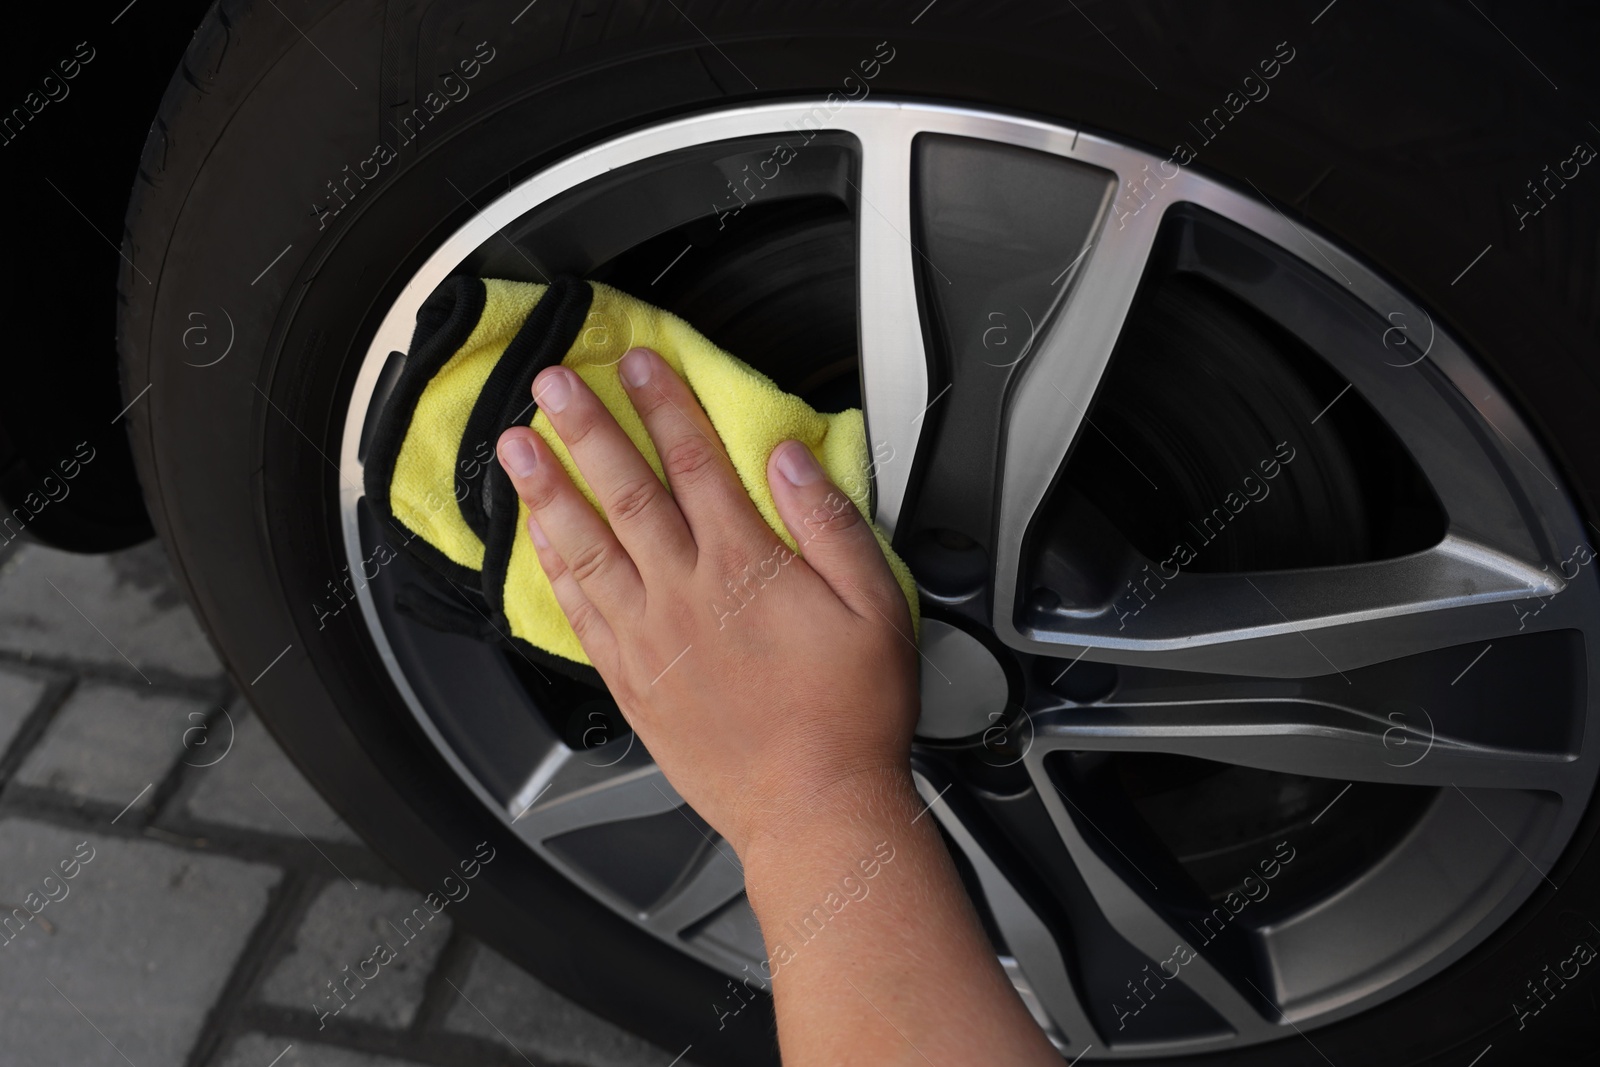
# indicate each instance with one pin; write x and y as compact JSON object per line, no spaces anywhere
{"x":1306,"y":739}
{"x":1050,"y":404}
{"x":1301,"y":623}
{"x":712,"y":881}
{"x":993,"y":236}
{"x":568,"y":792}
{"x":571,"y":790}
{"x":1433,"y":719}
{"x":1030,"y":941}
{"x":894,"y":371}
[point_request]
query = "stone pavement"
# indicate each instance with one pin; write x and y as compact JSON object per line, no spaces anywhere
{"x":158,"y":906}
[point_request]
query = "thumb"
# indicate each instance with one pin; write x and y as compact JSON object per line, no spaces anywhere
{"x":834,"y":538}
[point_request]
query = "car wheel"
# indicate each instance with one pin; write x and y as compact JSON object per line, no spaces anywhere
{"x":1252,"y":541}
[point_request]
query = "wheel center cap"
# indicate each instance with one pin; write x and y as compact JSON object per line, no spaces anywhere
{"x":964,"y":687}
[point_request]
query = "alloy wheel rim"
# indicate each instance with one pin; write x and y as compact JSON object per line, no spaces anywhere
{"x":1254,"y":669}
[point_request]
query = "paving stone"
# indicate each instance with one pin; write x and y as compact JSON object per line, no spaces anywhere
{"x":139,"y":942}
{"x":19,"y":695}
{"x":101,"y":609}
{"x":502,"y":1002}
{"x":258,"y":1050}
{"x":339,"y":942}
{"x":109,"y":741}
{"x":242,"y":787}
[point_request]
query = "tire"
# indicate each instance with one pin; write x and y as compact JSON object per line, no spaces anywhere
{"x":232,"y":213}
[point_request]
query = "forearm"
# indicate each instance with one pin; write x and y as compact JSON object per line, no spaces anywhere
{"x":875,"y":952}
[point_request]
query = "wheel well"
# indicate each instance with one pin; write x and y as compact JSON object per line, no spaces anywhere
{"x":72,"y":143}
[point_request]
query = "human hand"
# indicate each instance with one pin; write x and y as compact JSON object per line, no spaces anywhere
{"x":760,"y":681}
{"x":783,"y":715}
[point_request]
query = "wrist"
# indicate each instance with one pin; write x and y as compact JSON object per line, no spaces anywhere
{"x":865,"y":811}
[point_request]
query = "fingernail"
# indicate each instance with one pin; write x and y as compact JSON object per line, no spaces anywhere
{"x":553,"y":389}
{"x":636,"y":367}
{"x":517,"y":455}
{"x":797,"y":464}
{"x":537,"y":534}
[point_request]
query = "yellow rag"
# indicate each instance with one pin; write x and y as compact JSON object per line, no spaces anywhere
{"x":423,"y":492}
{"x":750,"y":413}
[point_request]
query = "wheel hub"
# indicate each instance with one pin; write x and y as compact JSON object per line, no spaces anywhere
{"x":964,"y":687}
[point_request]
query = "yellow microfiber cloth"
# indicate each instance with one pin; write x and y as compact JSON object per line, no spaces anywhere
{"x":479,"y":342}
